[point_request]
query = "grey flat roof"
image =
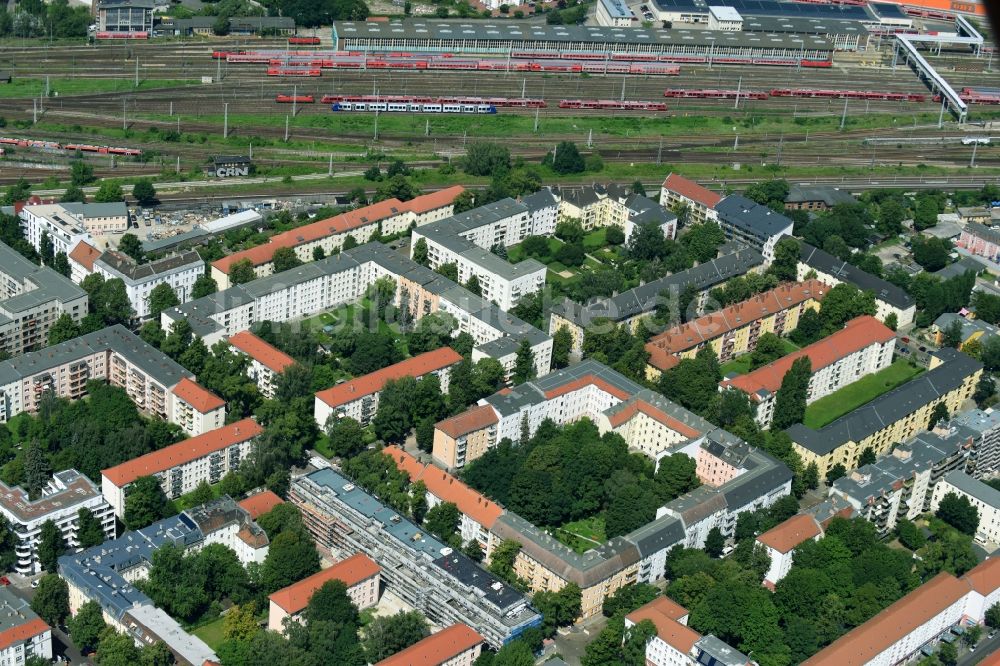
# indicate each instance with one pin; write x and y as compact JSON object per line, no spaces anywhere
{"x":831,"y":196}
{"x":44,"y":284}
{"x":825,"y":262}
{"x":115,"y":209}
{"x":617,"y":9}
{"x":986,"y":494}
{"x":804,"y":25}
{"x":751,"y":216}
{"x":188,"y":646}
{"x":768,"y":8}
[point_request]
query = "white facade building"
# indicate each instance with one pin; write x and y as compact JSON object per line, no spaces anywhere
{"x":69,"y":223}
{"x":752,"y":223}
{"x":23,"y":634}
{"x":195,"y":409}
{"x":781,"y":542}
{"x":266,"y":361}
{"x":180,"y":271}
{"x":614,"y":13}
{"x":986,"y":500}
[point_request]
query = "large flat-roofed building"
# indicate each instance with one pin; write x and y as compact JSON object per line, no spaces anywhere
{"x":266,"y":361}
{"x":891,"y":418}
{"x":180,"y":271}
{"x":831,"y":270}
{"x":69,"y":223}
{"x":32,"y":298}
{"x":182,"y":466}
{"x":752,"y":223}
{"x":985,"y":499}
{"x":457,"y":645}
{"x":358,"y":398}
{"x":359,"y":574}
{"x":700,"y":201}
{"x":864,"y":346}
{"x":440,"y":582}
{"x":125,"y":15}
{"x":23,"y":635}
{"x":736,"y":329}
{"x":614,"y":13}
{"x":726,"y":19}
{"x":61,"y":500}
{"x":697,"y":11}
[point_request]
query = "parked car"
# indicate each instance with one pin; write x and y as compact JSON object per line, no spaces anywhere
{"x":4,"y":580}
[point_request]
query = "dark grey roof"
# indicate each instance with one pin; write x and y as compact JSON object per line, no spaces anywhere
{"x":804,"y":25}
{"x":960,"y":267}
{"x":261,"y":22}
{"x":543,"y":198}
{"x":768,"y":8}
{"x":658,"y":535}
{"x":39,"y":284}
{"x":762,"y":477}
{"x":825,"y":262}
{"x":128,"y":268}
{"x":471,"y":574}
{"x":889,"y":407}
{"x":986,"y":494}
{"x":831,"y":196}
{"x":978,"y":230}
{"x":159,"y":245}
{"x":14,"y":611}
{"x":751,"y":216}
{"x":231,"y":159}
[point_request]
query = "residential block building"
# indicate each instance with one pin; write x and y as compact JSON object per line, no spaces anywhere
{"x":60,"y":501}
{"x":816,"y":197}
{"x":781,"y":541}
{"x":23,"y":635}
{"x":831,"y":270}
{"x":864,"y":346}
{"x":388,"y":217}
{"x":614,"y":13}
{"x":735,"y":330}
{"x":69,"y":223}
{"x":599,"y":206}
{"x":891,"y":418}
{"x":970,"y":329}
{"x":700,"y":201}
{"x":181,"y":467}
{"x":980,"y":240}
{"x":179,"y":270}
{"x":266,"y":361}
{"x":359,"y":573}
{"x":985,"y":498}
{"x":32,"y":298}
{"x":752,"y":223}
{"x":984,"y":461}
{"x":457,"y":645}
{"x":195,"y":409}
{"x":358,"y":398}
{"x":81,"y":261}
{"x":440,"y":582}
{"x":677,"y":644}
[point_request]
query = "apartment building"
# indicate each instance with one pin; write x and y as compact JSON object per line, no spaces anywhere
{"x":831,"y":270}
{"x":599,"y":206}
{"x":266,"y":361}
{"x":60,"y":501}
{"x":358,"y":398}
{"x":23,"y":635}
{"x":897,"y":633}
{"x":457,"y":645}
{"x":700,"y":201}
{"x":752,"y":223}
{"x":677,"y":644}
{"x":816,"y":197}
{"x":181,"y":467}
{"x":864,"y":346}
{"x":359,"y":573}
{"x":195,"y":409}
{"x":438,"y":581}
{"x":32,"y":298}
{"x":893,"y":417}
{"x":81,"y":261}
{"x":970,"y":329}
{"x":900,"y":484}
{"x":649,"y":422}
{"x":107,"y":573}
{"x":985,"y":428}
{"x":781,"y":541}
{"x":614,"y":13}
{"x":735,"y":330}
{"x":345,"y":278}
{"x":260,"y":503}
{"x":69,"y":223}
{"x":985,"y":498}
{"x":980,"y":240}
{"x":633,"y":307}
{"x":179,"y":270}
{"x":388,"y":217}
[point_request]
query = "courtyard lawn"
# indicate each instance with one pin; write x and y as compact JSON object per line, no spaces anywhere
{"x":185,"y":502}
{"x":741,"y":364}
{"x":852,"y":396}
{"x":516,"y":253}
{"x":582,"y":535}
{"x":595,"y":240}
{"x":212,"y":633}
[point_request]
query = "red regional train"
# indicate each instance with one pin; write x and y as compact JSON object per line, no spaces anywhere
{"x":296,"y":99}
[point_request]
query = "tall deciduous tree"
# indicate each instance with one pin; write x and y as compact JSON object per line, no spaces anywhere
{"x":524,"y":363}
{"x":145,"y":503}
{"x":387,"y":635}
{"x":330,"y":603}
{"x":162,"y":297}
{"x":442,"y":519}
{"x":130,"y":245}
{"x":87,"y":626}
{"x":790,"y":402}
{"x":204,"y":286}
{"x":144,"y":192}
{"x":562,"y":345}
{"x":89,"y":531}
{"x":958,"y":512}
{"x":51,"y":600}
{"x":242,"y":272}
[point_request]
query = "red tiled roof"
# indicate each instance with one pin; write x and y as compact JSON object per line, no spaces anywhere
{"x":182,"y":452}
{"x":984,"y":578}
{"x":259,"y":350}
{"x":691,"y":190}
{"x":665,"y":615}
{"x":350,"y":572}
{"x":259,"y":504}
{"x":665,"y":346}
{"x":418,"y":366}
{"x":791,"y":533}
{"x":471,"y":420}
{"x":22,"y":632}
{"x":339,"y":224}
{"x":623,"y":415}
{"x":437,"y":648}
{"x":198,"y":397}
{"x":443,"y":485}
{"x":583,"y":382}
{"x":858,"y":334}
{"x":85,"y":254}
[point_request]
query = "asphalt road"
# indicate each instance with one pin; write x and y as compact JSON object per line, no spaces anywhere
{"x":985,"y":648}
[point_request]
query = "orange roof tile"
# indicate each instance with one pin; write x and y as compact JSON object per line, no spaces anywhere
{"x":991,"y":660}
{"x":471,"y":420}
{"x":653,"y":412}
{"x":198,"y":397}
{"x":583,"y":382}
{"x":355,"y":569}
{"x":665,"y":615}
{"x":447,"y":488}
{"x":418,"y":366}
{"x":791,"y":533}
{"x":859,"y":333}
{"x":338,"y":224}
{"x":85,"y":254}
{"x":437,"y":648}
{"x":687,"y":336}
{"x":267,"y":355}
{"x":182,"y":452}
{"x":691,"y":190}
{"x":984,"y":578}
{"x":862,"y":644}
{"x":261,"y":503}
{"x":22,"y":632}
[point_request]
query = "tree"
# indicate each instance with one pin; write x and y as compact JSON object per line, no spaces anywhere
{"x":109,"y":192}
{"x":242,"y":271}
{"x":51,"y":600}
{"x":473,"y":551}
{"x":474,"y":286}
{"x":285,"y":259}
{"x":769,"y":348}
{"x":810,"y":477}
{"x":952,"y":334}
{"x":80,"y":173}
{"x":993,"y":616}
{"x":948,"y":654}
{"x":130,"y":245}
{"x":204,"y":286}
{"x":629,"y":598}
{"x":144,"y":193}
{"x":387,"y":635}
{"x":910,"y":535}
{"x":63,"y":329}
{"x":115,"y":649}
{"x":89,"y":531}
{"x":558,"y":609}
{"x":703,"y":241}
{"x":835,"y":472}
{"x":786,"y":260}
{"x":958,"y":512}
{"x":60,"y":264}
{"x":420,"y":252}
{"x":86,"y":626}
{"x":347,"y":437}
{"x":931,"y":253}
{"x":442,"y":520}
{"x":162,"y":297}
{"x":790,"y":402}
{"x":73,"y":194}
{"x":8,"y":543}
{"x":483,"y":158}
{"x":892,"y":321}
{"x":867,"y":457}
{"x":562,"y":345}
{"x":145,"y":503}
{"x":938,"y":414}
{"x":240,"y":623}
{"x":46,"y":249}
{"x":715,"y":542}
{"x":567,"y":159}
{"x":330,"y":603}
{"x":524,"y":363}
{"x":36,"y":470}
{"x":291,"y":557}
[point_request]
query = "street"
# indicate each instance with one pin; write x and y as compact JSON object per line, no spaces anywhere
{"x":986,"y":647}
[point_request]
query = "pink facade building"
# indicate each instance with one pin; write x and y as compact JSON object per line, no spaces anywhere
{"x":980,"y":240}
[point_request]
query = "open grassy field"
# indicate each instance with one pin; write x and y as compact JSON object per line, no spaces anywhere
{"x":852,"y":396}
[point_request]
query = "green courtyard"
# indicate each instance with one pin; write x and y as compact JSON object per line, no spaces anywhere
{"x":582,"y":535}
{"x":741,"y":364}
{"x":828,"y":409}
